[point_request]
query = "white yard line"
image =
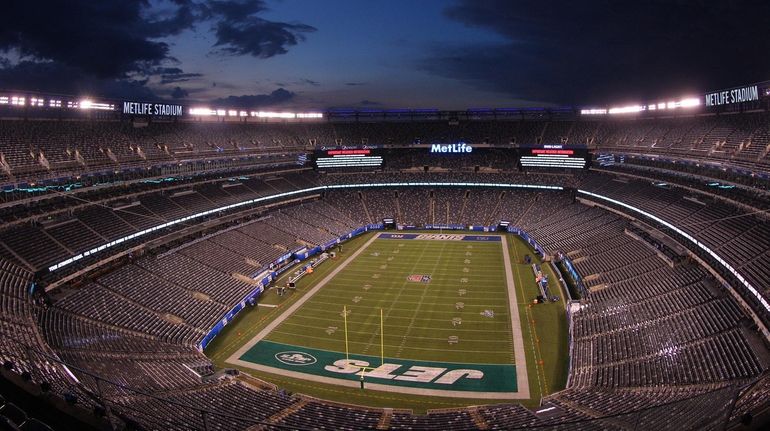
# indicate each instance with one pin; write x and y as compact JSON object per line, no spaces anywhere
{"x":522,"y":379}
{"x":294,"y":307}
{"x":316,"y":337}
{"x":325,"y":321}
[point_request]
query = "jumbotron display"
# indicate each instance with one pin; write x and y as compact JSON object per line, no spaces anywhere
{"x":347,"y":158}
{"x":554,"y":156}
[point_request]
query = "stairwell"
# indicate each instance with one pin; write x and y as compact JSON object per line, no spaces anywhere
{"x":478,"y":419}
{"x":366,"y":209}
{"x":398,"y":208}
{"x":384,"y":422}
{"x":281,"y":415}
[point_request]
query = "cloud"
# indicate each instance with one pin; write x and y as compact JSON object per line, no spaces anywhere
{"x":599,"y":51}
{"x":174,"y":74}
{"x":256,"y":100}
{"x":179,"y":93}
{"x":129,"y":42}
{"x":103,"y":39}
{"x":57,"y":78}
{"x":352,"y":84}
{"x":239,"y":31}
{"x":310,"y":82}
{"x":367,"y":102}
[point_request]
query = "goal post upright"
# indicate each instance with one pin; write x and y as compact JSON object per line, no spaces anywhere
{"x":345,"y":317}
{"x":382,"y":340}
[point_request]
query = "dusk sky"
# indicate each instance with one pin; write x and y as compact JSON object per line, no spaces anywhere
{"x":450,"y":54}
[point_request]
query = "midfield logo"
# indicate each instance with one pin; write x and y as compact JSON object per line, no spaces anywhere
{"x":296,"y":358}
{"x":419,"y":278}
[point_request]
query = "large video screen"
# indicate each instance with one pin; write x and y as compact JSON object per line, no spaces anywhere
{"x":554,"y":156}
{"x":340,"y":158}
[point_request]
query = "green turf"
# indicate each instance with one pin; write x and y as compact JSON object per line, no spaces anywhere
{"x":543,"y":326}
{"x":417,"y":316}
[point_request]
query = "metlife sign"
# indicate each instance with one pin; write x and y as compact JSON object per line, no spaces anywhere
{"x":736,"y":95}
{"x":139,"y":108}
{"x":462,"y":147}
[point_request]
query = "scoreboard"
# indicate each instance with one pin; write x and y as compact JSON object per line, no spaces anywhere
{"x":347,"y":158}
{"x":554,"y":156}
{"x":372,"y":158}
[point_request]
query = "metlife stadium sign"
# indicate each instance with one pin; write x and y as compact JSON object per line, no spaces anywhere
{"x":138,"y":108}
{"x":736,"y":95}
{"x":462,"y":147}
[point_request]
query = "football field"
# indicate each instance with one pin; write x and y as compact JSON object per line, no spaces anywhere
{"x":422,"y":314}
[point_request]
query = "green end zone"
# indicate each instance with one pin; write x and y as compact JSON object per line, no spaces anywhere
{"x":451,"y":321}
{"x":404,"y":373}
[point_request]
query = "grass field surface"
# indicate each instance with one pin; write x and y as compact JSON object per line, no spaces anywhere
{"x":419,"y":316}
{"x":463,"y":280}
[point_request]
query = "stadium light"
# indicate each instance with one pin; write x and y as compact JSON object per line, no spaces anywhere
{"x":686,"y":102}
{"x":626,"y":109}
{"x":593,"y":111}
{"x":262,"y":114}
{"x":202,"y":112}
{"x":310,"y":115}
{"x":88,"y":104}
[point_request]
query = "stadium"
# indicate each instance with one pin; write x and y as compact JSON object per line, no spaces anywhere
{"x":492,"y":269}
{"x":213,"y":216}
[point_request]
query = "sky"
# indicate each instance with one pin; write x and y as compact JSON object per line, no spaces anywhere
{"x":372,"y":54}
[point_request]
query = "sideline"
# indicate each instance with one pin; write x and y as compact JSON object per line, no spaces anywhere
{"x":520,"y":357}
{"x":233,"y":359}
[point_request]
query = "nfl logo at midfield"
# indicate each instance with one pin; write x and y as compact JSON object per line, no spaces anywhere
{"x":419,"y":278}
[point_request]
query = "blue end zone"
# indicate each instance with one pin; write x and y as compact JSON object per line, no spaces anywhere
{"x":440,"y":237}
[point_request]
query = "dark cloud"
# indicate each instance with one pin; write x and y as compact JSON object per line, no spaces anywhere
{"x":179,"y":93}
{"x":601,"y":50}
{"x":103,"y":39}
{"x":310,"y":82}
{"x":239,"y":31}
{"x":367,"y":102}
{"x":235,"y":11}
{"x":174,"y":74}
{"x":96,"y":41}
{"x":352,"y":84}
{"x":256,"y":100}
{"x":57,"y":78}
